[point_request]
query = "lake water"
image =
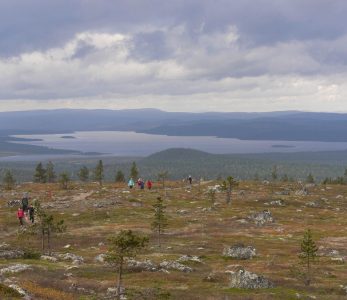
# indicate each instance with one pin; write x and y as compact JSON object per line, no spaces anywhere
{"x":123,"y":143}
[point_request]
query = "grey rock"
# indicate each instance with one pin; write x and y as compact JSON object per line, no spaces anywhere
{"x":192,"y":258}
{"x":239,"y":251}
{"x":49,"y":258}
{"x":243,"y":279}
{"x":101,"y":258}
{"x":20,"y":290}
{"x":263,"y":217}
{"x":279,"y":202}
{"x":75,"y":259}
{"x":11,"y":254}
{"x":14,"y":203}
{"x":174,"y":265}
{"x":15,"y":268}
{"x":145,"y":265}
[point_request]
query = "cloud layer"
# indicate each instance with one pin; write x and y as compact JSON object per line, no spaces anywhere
{"x":175,"y":55}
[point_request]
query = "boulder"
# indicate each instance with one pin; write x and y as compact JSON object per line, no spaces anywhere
{"x":262,"y":217}
{"x":243,"y":279}
{"x":174,"y":265}
{"x":20,"y":291}
{"x":75,"y":259}
{"x":101,"y":258}
{"x":278,"y":202}
{"x":11,"y":254}
{"x":192,"y":258}
{"x":49,"y":258}
{"x":145,"y":265}
{"x":239,"y":251}
{"x":16,"y":268}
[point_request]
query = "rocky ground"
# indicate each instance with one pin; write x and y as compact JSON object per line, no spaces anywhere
{"x":246,"y":250}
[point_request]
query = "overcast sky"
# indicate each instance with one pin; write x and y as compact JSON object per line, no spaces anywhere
{"x":179,"y":55}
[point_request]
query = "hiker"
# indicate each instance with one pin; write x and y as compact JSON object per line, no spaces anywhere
{"x":20,"y":216}
{"x":31,"y":213}
{"x":149,"y":184}
{"x":25,"y":202}
{"x":142,"y":185}
{"x":190,"y":179}
{"x":139,"y":182}
{"x":131,"y":183}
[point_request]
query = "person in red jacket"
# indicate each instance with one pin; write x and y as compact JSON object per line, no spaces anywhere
{"x":149,"y":184}
{"x":20,"y":215}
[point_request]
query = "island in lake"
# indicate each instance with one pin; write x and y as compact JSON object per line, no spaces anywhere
{"x":67,"y":137}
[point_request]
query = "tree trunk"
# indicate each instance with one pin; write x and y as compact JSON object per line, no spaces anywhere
{"x":49,"y":241}
{"x":159,"y":245}
{"x":43,"y":240}
{"x":119,"y":284}
{"x":308,"y":280}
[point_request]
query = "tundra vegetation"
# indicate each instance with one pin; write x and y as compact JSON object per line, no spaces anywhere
{"x":256,"y":246}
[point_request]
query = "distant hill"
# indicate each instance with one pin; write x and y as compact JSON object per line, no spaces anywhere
{"x":183,"y":162}
{"x":174,"y":154}
{"x":286,"y":125}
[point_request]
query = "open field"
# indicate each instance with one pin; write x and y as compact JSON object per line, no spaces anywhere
{"x":195,"y":227}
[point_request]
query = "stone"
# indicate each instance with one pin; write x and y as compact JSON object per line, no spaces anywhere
{"x":76,"y":260}
{"x":145,"y":265}
{"x":48,"y":258}
{"x":242,"y":221}
{"x":11,"y":254}
{"x":279,"y":202}
{"x":263,"y":217}
{"x":4,"y":246}
{"x":20,"y":290}
{"x":174,"y":265}
{"x":239,"y":251}
{"x":243,"y":279}
{"x":16,"y":268}
{"x":101,"y":258}
{"x":192,"y":258}
{"x":344,"y":288}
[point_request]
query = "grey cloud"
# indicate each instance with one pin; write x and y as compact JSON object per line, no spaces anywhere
{"x":38,"y":24}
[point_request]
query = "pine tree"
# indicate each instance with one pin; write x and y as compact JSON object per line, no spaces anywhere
{"x":64,"y":180}
{"x":227,"y":186}
{"x":308,"y":253}
{"x":162,"y":178}
{"x":99,"y":172}
{"x":45,"y":226}
{"x":134,"y":172}
{"x":274,"y":174}
{"x":160,"y":220}
{"x":50,"y":174}
{"x":211,"y":194}
{"x":124,"y":245}
{"x":310,"y":178}
{"x":285,"y":178}
{"x":120,"y":176}
{"x":83,"y":174}
{"x":8,"y":180}
{"x":40,"y":174}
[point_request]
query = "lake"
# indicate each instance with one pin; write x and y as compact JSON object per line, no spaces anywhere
{"x":124,"y":143}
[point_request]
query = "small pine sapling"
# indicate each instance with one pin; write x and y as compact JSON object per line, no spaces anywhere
{"x":227,"y":186}
{"x":124,"y":245}
{"x":160,"y":220}
{"x":308,"y":253}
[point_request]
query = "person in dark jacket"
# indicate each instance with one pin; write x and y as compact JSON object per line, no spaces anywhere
{"x":25,"y":202}
{"x":31,"y":213}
